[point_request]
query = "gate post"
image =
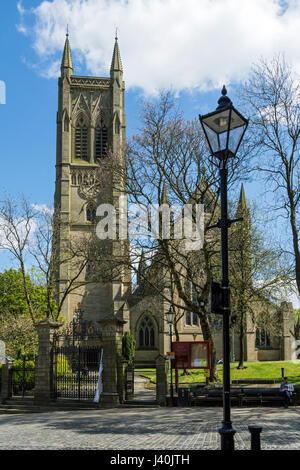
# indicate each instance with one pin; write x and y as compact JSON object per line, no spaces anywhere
{"x":122,"y":370}
{"x":111,"y":331}
{"x":6,"y":383}
{"x":161,"y":380}
{"x":42,"y":389}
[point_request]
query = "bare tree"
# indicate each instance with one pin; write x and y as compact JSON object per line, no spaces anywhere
{"x":272,"y":95}
{"x":30,"y":234}
{"x":258,"y":277}
{"x":168,"y":164}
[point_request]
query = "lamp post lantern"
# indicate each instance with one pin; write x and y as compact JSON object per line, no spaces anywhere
{"x":224,"y":130}
{"x":170,"y":318}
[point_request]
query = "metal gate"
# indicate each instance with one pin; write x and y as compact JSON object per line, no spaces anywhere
{"x":75,"y":371}
{"x":22,"y":378}
{"x":129,"y":382}
{"x":75,"y":360}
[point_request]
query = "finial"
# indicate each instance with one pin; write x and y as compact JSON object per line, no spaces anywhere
{"x":67,"y":30}
{"x":224,"y":101}
{"x":116,"y":37}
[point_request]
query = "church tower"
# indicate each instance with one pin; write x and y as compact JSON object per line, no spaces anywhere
{"x":91,"y":128}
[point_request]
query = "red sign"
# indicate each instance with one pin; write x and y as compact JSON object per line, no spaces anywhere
{"x":191,"y":355}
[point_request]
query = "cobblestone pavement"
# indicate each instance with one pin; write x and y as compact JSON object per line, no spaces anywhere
{"x":157,"y":429}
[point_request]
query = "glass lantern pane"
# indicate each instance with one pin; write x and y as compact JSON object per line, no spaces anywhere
{"x":236,"y":120}
{"x":235,"y":138}
{"x":212,"y":138}
{"x":223,"y":140}
{"x":218,"y":121}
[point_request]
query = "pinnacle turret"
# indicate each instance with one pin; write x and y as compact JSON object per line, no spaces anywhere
{"x":141,"y":269}
{"x":66,"y":63}
{"x":116,"y":63}
{"x":165,"y":198}
{"x":243,"y":201}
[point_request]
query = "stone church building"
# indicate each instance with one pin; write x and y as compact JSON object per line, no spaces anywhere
{"x":91,"y":123}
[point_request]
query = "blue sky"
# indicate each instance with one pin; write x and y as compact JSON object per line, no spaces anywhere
{"x":194,"y":50}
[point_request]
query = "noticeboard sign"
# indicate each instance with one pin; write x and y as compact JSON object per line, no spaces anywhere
{"x":191,"y":354}
{"x":170,"y":355}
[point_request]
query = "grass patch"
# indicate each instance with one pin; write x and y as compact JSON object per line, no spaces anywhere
{"x":253,"y":370}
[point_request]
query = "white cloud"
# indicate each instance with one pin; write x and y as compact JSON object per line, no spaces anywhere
{"x":43,"y":208}
{"x":191,"y":44}
{"x":21,"y":28}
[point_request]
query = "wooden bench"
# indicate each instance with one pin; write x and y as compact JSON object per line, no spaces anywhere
{"x":263,"y":395}
{"x":200,"y":397}
{"x":240,"y":397}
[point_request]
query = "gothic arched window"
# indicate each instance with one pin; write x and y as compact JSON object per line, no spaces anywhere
{"x":81,"y":138}
{"x":262,"y":338}
{"x":146,"y":333}
{"x":101,"y":139}
{"x":91,"y":213}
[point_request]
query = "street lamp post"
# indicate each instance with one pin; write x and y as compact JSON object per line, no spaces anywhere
{"x":224,"y":130}
{"x":170,"y":316}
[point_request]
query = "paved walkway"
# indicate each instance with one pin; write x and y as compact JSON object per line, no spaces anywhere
{"x":141,"y":393}
{"x":157,"y":429}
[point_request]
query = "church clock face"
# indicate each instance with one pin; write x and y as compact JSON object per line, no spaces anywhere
{"x":89,"y":186}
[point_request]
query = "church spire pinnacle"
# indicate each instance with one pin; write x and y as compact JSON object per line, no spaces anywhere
{"x":66,"y":63}
{"x":116,"y":63}
{"x":243,"y":201}
{"x":142,"y":269}
{"x":165,"y":198}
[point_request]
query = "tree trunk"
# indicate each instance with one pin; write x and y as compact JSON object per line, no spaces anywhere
{"x":207,"y":336}
{"x":242,"y":341}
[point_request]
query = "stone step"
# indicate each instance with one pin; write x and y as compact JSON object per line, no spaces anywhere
{"x":138,"y":405}
{"x":12,"y":411}
{"x":141,"y":402}
{"x":31,"y":408}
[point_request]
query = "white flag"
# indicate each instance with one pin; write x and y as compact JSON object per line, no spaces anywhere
{"x":99,"y":385}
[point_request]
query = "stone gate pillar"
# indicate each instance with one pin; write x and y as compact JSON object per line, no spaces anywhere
{"x":42,"y":389}
{"x":287,"y":319}
{"x":112,"y":332}
{"x":6,"y":385}
{"x":162,"y":367}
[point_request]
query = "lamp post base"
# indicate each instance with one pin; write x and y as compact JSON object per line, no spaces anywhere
{"x":227,"y":438}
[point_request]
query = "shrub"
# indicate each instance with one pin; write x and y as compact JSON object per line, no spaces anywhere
{"x":128,"y":347}
{"x":62,"y":366}
{"x":19,"y":375}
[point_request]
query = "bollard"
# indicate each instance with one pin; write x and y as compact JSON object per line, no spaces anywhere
{"x":255,"y":437}
{"x":227,"y":438}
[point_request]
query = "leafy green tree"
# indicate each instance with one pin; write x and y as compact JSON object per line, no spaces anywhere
{"x":297,"y":324}
{"x":16,"y":325}
{"x":12,"y":297}
{"x":128,"y":347}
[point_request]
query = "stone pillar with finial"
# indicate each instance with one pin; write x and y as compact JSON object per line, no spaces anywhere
{"x":42,"y":389}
